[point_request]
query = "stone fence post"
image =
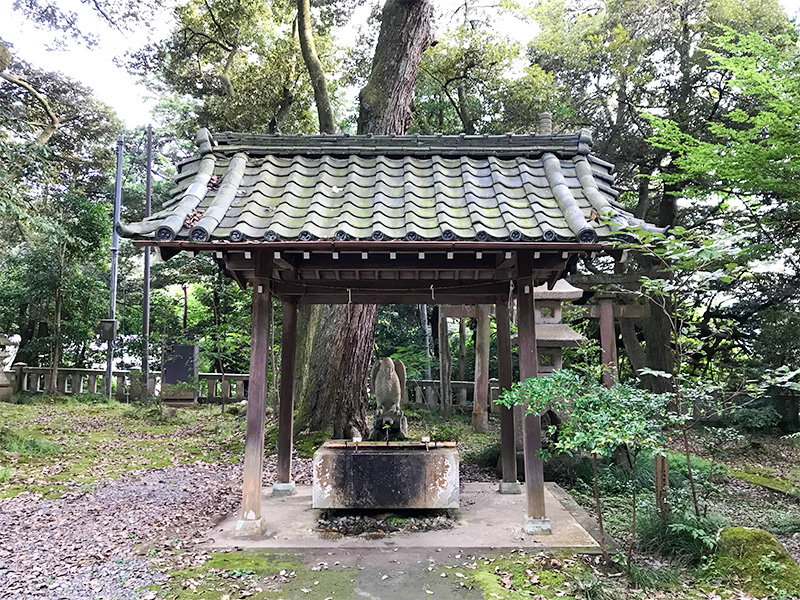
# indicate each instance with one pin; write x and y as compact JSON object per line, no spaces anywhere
{"x":20,"y":381}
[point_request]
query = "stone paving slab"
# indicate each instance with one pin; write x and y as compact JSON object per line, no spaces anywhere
{"x":486,"y":521}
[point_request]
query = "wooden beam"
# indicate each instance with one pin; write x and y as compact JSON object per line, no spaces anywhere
{"x":286,"y":407}
{"x":480,"y":416}
{"x":608,"y":340}
{"x":532,"y":426}
{"x":381,"y":261}
{"x":621,"y":311}
{"x":394,"y":297}
{"x":459,"y":311}
{"x":508,"y":443}
{"x":250,"y":520}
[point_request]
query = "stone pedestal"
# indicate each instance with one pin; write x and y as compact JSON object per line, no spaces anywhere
{"x":6,"y":389}
{"x":537,"y":526}
{"x":377,"y":475}
{"x":251,"y":527}
{"x":283,"y":489}
{"x":510,"y":487}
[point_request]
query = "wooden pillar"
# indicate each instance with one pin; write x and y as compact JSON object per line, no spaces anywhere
{"x":480,"y":416}
{"x":445,"y":368}
{"x":250,"y":520}
{"x":536,"y":521}
{"x":285,"y":485}
{"x":508,"y":443}
{"x":608,"y":340}
{"x":462,"y":358}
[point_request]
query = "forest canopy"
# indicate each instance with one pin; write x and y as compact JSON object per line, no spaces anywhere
{"x":695,"y":102}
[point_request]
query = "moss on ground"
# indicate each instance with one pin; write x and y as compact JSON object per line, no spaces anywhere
{"x":768,"y":481}
{"x":259,"y":575}
{"x":54,"y":443}
{"x":517,"y":577}
{"x":755,"y":561}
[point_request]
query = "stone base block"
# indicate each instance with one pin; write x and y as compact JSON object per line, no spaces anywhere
{"x":283,"y":489}
{"x":250,"y":527}
{"x":537,"y":526}
{"x":510,"y":487}
{"x":386,"y":477}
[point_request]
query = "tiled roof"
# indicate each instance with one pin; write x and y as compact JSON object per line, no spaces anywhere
{"x":507,"y":188}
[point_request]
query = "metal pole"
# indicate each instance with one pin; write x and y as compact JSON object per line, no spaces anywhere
{"x":146,"y":300}
{"x":112,"y":313}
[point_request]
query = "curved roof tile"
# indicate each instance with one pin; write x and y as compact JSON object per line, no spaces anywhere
{"x":253,"y":186}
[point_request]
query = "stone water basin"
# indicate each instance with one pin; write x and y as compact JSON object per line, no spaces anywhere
{"x":385,"y":475}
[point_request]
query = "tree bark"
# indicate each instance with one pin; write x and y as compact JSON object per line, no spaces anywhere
{"x":314,"y":66}
{"x":332,"y":381}
{"x":336,"y":342}
{"x":385,"y":102}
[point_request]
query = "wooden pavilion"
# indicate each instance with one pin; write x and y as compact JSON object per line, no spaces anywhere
{"x":395,"y":220}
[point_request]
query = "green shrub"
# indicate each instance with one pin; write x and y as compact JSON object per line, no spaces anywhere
{"x":752,"y":418}
{"x":87,"y":398}
{"x":681,"y":536}
{"x":485,"y":457}
{"x":5,"y":474}
{"x":23,"y":398}
{"x":781,"y":523}
{"x":14,"y":441}
{"x":589,"y":586}
{"x":653,"y":578}
{"x":446,"y":433}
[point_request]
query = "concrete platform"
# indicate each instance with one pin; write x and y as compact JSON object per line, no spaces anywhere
{"x":487,"y":520}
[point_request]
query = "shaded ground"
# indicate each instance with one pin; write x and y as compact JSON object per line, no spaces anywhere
{"x":103,"y":501}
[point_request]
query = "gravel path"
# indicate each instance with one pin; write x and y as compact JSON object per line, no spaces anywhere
{"x":103,"y":544}
{"x":109,"y":543}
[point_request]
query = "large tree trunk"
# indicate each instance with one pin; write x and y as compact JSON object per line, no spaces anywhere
{"x":335,"y":343}
{"x":385,"y":102}
{"x":332,"y":371}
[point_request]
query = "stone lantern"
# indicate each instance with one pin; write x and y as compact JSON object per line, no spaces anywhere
{"x":552,"y":335}
{"x":6,"y":391}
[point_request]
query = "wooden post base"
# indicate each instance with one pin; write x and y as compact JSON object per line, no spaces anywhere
{"x":510,"y":487}
{"x":283,"y":489}
{"x":535,"y":526}
{"x":251,"y":527}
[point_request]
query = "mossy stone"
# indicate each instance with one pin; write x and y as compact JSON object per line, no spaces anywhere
{"x":758,"y":561}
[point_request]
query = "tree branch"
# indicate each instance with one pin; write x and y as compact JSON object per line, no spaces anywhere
{"x":50,"y":128}
{"x":314,"y":67}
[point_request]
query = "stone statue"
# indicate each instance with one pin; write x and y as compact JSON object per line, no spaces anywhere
{"x":6,"y":390}
{"x":388,"y":382}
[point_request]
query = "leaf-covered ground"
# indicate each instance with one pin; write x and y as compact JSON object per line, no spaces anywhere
{"x":101,"y":500}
